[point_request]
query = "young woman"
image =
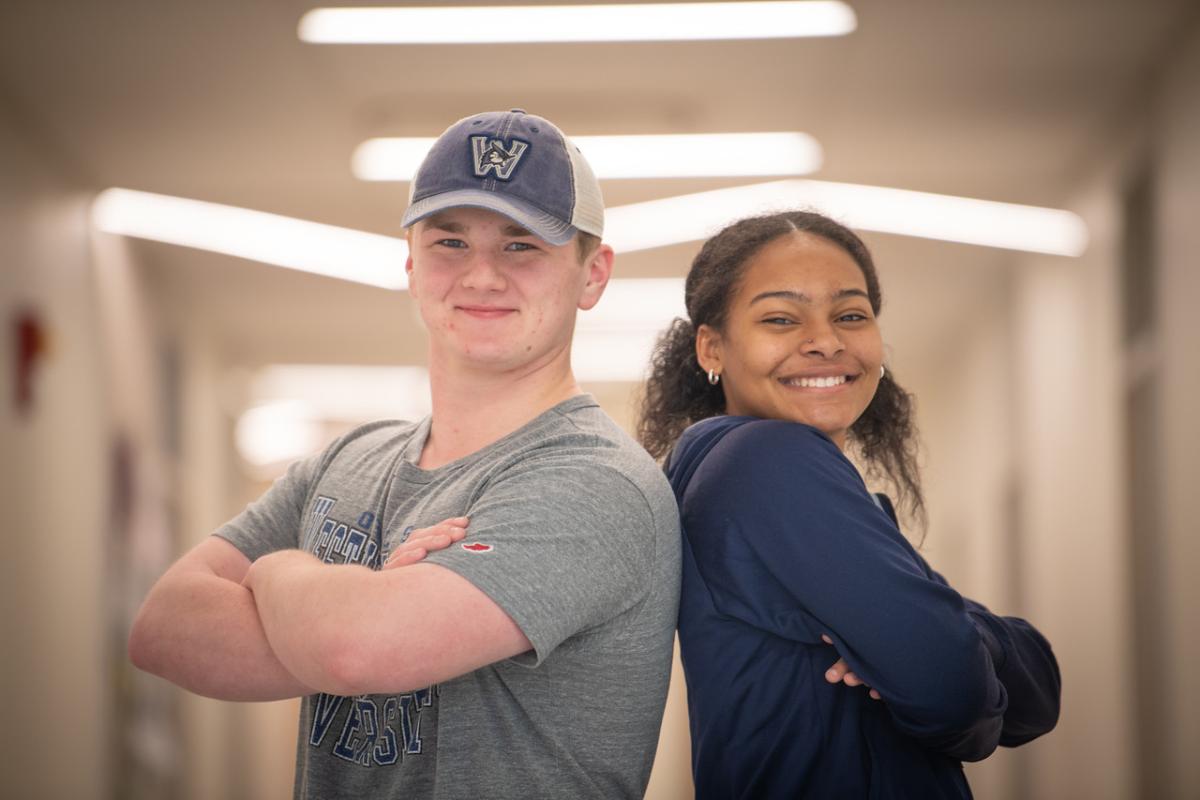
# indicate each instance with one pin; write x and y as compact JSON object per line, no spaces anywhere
{"x":824,"y":658}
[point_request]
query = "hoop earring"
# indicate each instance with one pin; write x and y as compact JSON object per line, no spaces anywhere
{"x":714,"y":377}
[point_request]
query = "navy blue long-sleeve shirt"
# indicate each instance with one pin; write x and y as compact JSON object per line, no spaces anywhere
{"x":783,"y":543}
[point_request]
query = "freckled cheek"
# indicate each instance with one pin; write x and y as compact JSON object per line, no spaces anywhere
{"x":539,"y":320}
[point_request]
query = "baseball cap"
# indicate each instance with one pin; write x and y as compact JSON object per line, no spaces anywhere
{"x":516,"y":164}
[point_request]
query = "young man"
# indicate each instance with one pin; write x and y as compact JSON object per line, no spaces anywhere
{"x":528,"y":659}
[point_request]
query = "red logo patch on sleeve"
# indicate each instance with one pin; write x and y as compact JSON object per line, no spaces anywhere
{"x":476,"y":547}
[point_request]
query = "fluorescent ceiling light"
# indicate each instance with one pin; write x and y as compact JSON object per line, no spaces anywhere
{"x":651,"y":156}
{"x":686,"y":218}
{"x":583,"y":23}
{"x":378,"y":260}
{"x":283,"y":241}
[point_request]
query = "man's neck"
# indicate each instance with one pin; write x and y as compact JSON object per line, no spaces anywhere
{"x":472,"y":409}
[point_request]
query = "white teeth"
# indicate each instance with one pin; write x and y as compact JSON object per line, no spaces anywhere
{"x":817,"y":383}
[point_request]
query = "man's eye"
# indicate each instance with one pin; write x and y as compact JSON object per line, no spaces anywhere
{"x":520,"y":246}
{"x":459,"y":243}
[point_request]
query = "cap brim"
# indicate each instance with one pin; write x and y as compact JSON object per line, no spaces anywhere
{"x":537,"y":222}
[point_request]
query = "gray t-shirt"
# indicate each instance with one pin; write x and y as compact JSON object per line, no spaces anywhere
{"x":574,"y":533}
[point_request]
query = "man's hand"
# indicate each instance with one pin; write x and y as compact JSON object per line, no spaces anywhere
{"x":424,"y":541}
{"x":840,"y":672}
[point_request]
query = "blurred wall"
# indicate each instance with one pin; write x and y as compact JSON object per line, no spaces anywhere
{"x":1113,"y":447}
{"x":1099,"y":362}
{"x":1177,"y":335}
{"x":52,"y":485}
{"x":1063,"y":451}
{"x":966,"y":403}
{"x":1073,"y":560}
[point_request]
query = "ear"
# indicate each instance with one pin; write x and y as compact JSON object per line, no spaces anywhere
{"x":709,"y":349}
{"x":599,"y":268}
{"x":408,"y":270}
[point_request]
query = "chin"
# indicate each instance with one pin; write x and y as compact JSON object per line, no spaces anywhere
{"x":831,"y":428}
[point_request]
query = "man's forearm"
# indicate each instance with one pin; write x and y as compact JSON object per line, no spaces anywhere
{"x":307,"y":632}
{"x":347,"y":629}
{"x":202,"y":632}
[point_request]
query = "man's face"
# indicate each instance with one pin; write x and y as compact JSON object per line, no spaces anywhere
{"x":493,"y":295}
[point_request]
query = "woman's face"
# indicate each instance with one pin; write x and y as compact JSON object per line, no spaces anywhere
{"x":800,"y":341}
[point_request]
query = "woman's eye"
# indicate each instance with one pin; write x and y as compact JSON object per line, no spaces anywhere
{"x":853,"y":316}
{"x":778,"y":321}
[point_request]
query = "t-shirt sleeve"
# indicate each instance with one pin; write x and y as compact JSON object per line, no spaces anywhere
{"x":787,"y":539}
{"x":273,"y":521}
{"x":561,"y":546}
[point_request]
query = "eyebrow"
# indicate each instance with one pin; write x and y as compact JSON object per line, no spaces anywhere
{"x":440,"y":222}
{"x":800,"y":297}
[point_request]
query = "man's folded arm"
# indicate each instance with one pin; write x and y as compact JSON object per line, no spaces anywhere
{"x":199,"y":629}
{"x":349,"y":630}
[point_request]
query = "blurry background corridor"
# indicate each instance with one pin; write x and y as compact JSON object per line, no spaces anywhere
{"x":151,"y":390}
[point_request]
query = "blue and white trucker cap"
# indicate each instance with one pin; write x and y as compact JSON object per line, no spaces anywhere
{"x":515,"y":164}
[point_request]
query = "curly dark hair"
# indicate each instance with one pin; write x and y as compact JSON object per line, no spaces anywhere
{"x":678,"y":394}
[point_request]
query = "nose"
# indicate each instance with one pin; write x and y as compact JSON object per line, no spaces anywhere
{"x":822,"y":340}
{"x":482,"y":274}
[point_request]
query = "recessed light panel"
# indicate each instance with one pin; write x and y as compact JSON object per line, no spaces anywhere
{"x":583,"y":23}
{"x":694,"y":155}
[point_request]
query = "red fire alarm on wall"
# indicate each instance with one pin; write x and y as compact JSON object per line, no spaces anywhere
{"x":30,"y":344}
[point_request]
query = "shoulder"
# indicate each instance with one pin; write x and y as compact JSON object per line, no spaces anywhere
{"x":749,"y":448}
{"x":776,"y":436}
{"x":369,"y":441}
{"x":577,"y":444}
{"x":581,"y":422}
{"x":618,"y":453}
{"x":386,"y":430}
{"x":762,"y":470}
{"x":580,"y":434}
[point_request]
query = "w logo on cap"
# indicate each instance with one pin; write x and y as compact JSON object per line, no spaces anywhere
{"x":492,"y":156}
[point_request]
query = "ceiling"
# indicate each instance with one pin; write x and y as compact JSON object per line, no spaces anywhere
{"x":220,"y":101}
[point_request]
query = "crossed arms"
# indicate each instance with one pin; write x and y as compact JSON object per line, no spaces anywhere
{"x":788,"y":541}
{"x":288,"y":625}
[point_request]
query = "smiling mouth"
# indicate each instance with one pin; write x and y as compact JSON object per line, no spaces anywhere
{"x":817,"y":383}
{"x":486,"y":312}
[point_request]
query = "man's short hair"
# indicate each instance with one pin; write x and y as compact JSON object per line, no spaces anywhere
{"x":585,"y":245}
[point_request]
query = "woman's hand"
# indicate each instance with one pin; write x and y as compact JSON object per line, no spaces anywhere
{"x":840,"y":672}
{"x":424,"y":541}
